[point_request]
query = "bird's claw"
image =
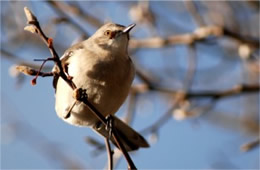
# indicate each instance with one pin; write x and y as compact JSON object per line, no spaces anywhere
{"x":110,"y":124}
{"x":80,"y":94}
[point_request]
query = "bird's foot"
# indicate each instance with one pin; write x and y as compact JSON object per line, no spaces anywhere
{"x":110,"y":125}
{"x":80,"y":94}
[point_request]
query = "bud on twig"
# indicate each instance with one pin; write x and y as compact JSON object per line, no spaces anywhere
{"x":26,"y":70}
{"x":29,"y":15}
{"x":30,"y":28}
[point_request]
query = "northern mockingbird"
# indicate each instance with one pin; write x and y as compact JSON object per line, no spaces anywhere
{"x":102,"y":67}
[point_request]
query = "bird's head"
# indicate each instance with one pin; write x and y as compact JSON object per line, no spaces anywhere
{"x":112,"y":36}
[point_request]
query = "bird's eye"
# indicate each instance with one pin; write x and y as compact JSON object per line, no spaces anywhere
{"x":108,"y":33}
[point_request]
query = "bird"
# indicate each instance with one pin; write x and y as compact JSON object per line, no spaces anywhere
{"x":102,"y":67}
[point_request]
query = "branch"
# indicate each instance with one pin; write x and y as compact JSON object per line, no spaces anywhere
{"x":19,"y":60}
{"x":250,"y":145}
{"x":193,"y":10}
{"x":237,"y":90}
{"x":186,"y":39}
{"x":32,"y":72}
{"x":76,"y":10}
{"x":34,"y":27}
{"x":199,"y":34}
{"x":67,"y":18}
{"x":110,"y":154}
{"x":241,"y":38}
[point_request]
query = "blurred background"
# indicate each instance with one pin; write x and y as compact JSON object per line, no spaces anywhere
{"x":195,"y":96}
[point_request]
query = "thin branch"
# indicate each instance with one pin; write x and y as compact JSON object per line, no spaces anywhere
{"x":128,"y":118}
{"x":32,"y":72}
{"x":191,"y":68}
{"x":65,"y":16}
{"x":244,"y":39}
{"x":162,"y":120}
{"x":157,"y":42}
{"x":19,"y":61}
{"x":192,"y":9}
{"x":241,"y":89}
{"x":76,"y":10}
{"x":237,"y":90}
{"x":250,"y":145}
{"x":131,"y":164}
{"x":110,"y":154}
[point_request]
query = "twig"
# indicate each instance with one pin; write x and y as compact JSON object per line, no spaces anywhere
{"x":131,"y":164}
{"x":244,"y":39}
{"x":162,"y":120}
{"x":76,"y":10}
{"x":19,"y":61}
{"x":32,"y":72}
{"x":34,"y":27}
{"x":192,"y":8}
{"x":237,"y":90}
{"x":110,"y":154}
{"x":66,"y":17}
{"x":250,"y":145}
{"x":128,"y":118}
{"x":191,"y":68}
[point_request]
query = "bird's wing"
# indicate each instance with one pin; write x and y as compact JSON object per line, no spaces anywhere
{"x":64,"y":62}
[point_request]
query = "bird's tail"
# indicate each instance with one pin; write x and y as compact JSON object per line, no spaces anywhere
{"x":131,"y":139}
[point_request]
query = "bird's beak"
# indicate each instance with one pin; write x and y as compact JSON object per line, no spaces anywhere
{"x":128,"y":28}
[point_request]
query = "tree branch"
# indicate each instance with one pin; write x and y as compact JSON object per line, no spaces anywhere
{"x":110,"y":154}
{"x":157,"y":42}
{"x":237,"y":90}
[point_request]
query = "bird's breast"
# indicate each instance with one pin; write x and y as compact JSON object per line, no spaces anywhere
{"x":107,"y":83}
